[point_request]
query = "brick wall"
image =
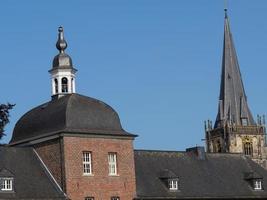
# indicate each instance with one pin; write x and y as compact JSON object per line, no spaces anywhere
{"x":50,"y":153}
{"x":99,"y":185}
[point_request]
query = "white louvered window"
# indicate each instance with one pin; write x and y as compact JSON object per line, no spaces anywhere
{"x":112,"y":164}
{"x":6,"y":184}
{"x":173,"y":184}
{"x":87,"y":163}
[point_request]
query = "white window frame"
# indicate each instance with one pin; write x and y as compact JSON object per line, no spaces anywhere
{"x":89,"y":198}
{"x":87,"y":163}
{"x":112,"y":164}
{"x":257,"y":185}
{"x":115,"y":198}
{"x":6,"y":184}
{"x":173,"y":184}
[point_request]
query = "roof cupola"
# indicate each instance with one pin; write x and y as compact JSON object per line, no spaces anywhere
{"x":62,"y":72}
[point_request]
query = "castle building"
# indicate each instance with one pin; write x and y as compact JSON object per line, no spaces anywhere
{"x":74,"y":147}
{"x":235,"y":130}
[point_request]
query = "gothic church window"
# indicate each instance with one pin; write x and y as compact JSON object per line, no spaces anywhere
{"x":64,"y":84}
{"x":248,"y":149}
{"x":244,"y":121}
{"x":218,"y":146}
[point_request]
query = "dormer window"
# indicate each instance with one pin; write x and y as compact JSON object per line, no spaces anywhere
{"x":257,"y":184}
{"x":6,"y":184}
{"x":254,"y":179}
{"x":173,"y":184}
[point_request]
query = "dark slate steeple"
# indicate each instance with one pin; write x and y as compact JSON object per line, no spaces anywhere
{"x":233,"y":106}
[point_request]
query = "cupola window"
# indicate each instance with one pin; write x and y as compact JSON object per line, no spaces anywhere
{"x":56,"y":86}
{"x":64,"y":84}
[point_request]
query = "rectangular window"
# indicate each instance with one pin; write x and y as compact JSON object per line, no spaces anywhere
{"x":87,"y":163}
{"x":6,"y":184}
{"x":257,"y":185}
{"x":89,"y":198}
{"x":112,"y":164}
{"x":173,"y":184}
{"x":115,"y":198}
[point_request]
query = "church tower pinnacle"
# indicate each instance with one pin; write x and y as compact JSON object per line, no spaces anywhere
{"x":234,"y":130}
{"x":233,"y":106}
{"x":62,"y":72}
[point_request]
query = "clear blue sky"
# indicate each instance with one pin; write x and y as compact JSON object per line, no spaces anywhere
{"x":156,"y":62}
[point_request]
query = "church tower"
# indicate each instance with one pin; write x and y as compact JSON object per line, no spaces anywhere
{"x":235,"y":130}
{"x":62,"y":72}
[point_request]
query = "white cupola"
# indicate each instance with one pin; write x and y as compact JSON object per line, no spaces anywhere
{"x":62,"y":72}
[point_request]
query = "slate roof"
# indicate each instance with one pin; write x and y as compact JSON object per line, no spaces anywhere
{"x":233,"y":100}
{"x":71,"y":113}
{"x":31,"y":180}
{"x":212,"y":176}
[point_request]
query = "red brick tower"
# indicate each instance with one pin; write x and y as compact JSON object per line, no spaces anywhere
{"x":80,"y":139}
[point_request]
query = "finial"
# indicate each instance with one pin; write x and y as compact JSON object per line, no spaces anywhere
{"x":61,"y":43}
{"x":225,"y":8}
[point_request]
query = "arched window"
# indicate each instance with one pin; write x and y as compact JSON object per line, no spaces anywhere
{"x":56,"y":86}
{"x":72,"y":85}
{"x":219,"y":148}
{"x":64,"y":84}
{"x":248,"y":150}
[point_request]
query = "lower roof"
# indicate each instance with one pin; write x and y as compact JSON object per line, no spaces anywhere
{"x":212,"y":176}
{"x":31,"y":179}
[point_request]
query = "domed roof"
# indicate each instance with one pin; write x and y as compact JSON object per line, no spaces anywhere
{"x":71,"y":113}
{"x":62,"y":61}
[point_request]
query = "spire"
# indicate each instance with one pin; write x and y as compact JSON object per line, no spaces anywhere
{"x":233,"y":106}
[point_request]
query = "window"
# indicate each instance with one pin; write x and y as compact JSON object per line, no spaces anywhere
{"x":56,"y":86}
{"x":248,"y":148}
{"x":6,"y":184}
{"x":115,"y":198}
{"x":173,"y":184}
{"x":257,"y":185}
{"x":112,"y":164}
{"x":89,"y":198}
{"x":244,"y":121}
{"x":87,"y":163}
{"x":64,"y":83}
{"x":72,"y":85}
